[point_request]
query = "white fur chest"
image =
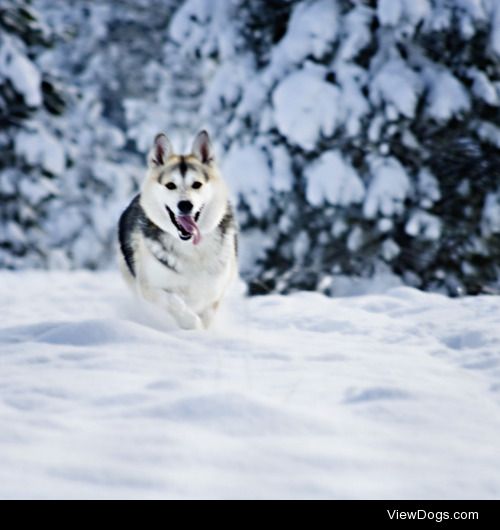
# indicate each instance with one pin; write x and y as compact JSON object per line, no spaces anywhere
{"x":199,"y":274}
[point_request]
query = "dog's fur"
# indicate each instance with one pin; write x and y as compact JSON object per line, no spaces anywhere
{"x":182,"y":263}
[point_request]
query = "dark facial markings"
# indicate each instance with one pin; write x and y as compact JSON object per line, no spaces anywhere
{"x":183,"y":166}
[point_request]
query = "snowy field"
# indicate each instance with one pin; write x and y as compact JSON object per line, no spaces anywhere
{"x":377,"y":396}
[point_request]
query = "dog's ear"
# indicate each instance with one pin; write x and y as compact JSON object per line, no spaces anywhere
{"x":160,"y":152}
{"x":202,"y":148}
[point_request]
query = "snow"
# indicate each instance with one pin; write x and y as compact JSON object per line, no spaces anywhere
{"x":311,"y":32}
{"x":20,"y":71}
{"x":312,"y":29}
{"x":390,"y":249}
{"x":394,"y":74}
{"x":11,"y":232}
{"x":388,"y":395}
{"x":306,"y":107}
{"x":352,"y":104}
{"x":495,"y":30}
{"x":38,"y":146}
{"x":488,"y":132}
{"x":388,"y":188}
{"x":446,"y":97}
{"x":332,"y":180}
{"x":425,"y":225}
{"x":356,"y":32}
{"x":293,"y":80}
{"x":389,"y":12}
{"x":428,"y":188}
{"x":490,"y":222}
{"x":9,"y":179}
{"x":144,"y":121}
{"x":393,"y":12}
{"x":282,"y":178}
{"x":252,"y":247}
{"x":38,"y":189}
{"x":187,"y":24}
{"x":224,"y":88}
{"x":483,"y":88}
{"x":203,"y":25}
{"x":247,"y":170}
{"x":355,"y":240}
{"x":474,"y":8}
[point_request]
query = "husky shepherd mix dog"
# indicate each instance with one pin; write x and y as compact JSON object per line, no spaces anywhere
{"x":178,"y":237}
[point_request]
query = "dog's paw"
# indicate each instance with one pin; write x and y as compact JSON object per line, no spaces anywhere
{"x":190,"y":321}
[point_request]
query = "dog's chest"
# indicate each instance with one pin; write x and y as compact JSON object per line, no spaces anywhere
{"x":199,"y":273}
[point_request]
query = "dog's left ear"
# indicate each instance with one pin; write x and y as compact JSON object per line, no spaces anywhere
{"x":202,"y":148}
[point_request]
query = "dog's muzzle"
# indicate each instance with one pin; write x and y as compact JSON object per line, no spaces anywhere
{"x":186,"y":226}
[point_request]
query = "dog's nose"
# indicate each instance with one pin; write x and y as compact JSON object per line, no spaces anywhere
{"x":185,"y":206}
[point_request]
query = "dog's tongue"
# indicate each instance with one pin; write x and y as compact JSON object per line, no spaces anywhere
{"x":189,"y":225}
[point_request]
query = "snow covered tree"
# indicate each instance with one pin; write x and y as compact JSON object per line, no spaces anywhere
{"x":108,"y":52}
{"x":31,"y":156}
{"x":359,"y":137}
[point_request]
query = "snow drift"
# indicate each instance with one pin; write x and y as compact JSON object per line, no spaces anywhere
{"x":391,"y":395}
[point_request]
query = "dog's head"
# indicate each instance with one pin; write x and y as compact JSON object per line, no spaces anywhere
{"x":184,"y":194}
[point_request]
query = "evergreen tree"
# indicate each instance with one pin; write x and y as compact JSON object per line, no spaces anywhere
{"x":359,"y":137}
{"x":111,"y":53}
{"x":31,"y":156}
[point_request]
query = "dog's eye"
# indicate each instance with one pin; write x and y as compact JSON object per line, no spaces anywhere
{"x":171,"y":186}
{"x":196,"y":185}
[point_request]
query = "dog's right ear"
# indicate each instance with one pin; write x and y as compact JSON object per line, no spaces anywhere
{"x":160,"y":152}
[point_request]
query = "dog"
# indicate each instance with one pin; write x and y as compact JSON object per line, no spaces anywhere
{"x":178,"y":238}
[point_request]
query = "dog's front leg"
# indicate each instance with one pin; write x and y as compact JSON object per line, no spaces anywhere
{"x":184,"y":316}
{"x":173,"y":304}
{"x":208,"y":314}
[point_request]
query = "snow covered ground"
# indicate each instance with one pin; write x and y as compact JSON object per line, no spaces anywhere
{"x":382,"y":396}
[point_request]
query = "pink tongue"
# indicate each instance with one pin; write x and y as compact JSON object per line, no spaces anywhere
{"x":189,"y":225}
